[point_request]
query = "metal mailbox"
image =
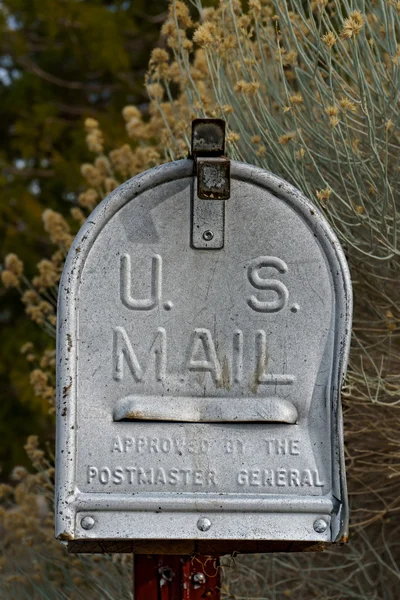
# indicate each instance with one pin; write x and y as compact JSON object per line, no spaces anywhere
{"x":202,"y":343}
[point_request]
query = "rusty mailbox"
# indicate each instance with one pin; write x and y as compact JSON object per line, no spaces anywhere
{"x":203,"y":333}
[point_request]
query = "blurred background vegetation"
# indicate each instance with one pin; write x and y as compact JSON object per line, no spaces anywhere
{"x":61,"y":61}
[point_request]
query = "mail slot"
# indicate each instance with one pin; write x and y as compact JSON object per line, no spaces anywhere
{"x":202,"y":345}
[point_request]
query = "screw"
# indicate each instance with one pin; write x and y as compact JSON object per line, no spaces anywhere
{"x":320,"y":525}
{"x":208,"y":235}
{"x":87,"y":523}
{"x":199,"y":579}
{"x":203,"y":524}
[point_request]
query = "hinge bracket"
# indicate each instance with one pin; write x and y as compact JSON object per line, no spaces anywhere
{"x":211,"y":184}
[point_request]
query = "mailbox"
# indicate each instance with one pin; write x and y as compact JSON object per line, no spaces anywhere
{"x":203,"y":332}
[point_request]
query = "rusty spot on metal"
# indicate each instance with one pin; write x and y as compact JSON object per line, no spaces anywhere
{"x":65,"y":537}
{"x":69,"y":342}
{"x":66,"y":389}
{"x":213,"y":178}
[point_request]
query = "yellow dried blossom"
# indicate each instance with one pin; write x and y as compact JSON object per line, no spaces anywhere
{"x":30,"y":297}
{"x":332,"y":110}
{"x":179,"y":40}
{"x":296,"y":99}
{"x":18,"y":473}
{"x":244,"y":21}
{"x":256,"y":139}
{"x":131,"y":112}
{"x":255,"y":6}
{"x":287,"y":137}
{"x":359,"y":209}
{"x":329,"y":39}
{"x":204,"y":35}
{"x":355,"y":145}
{"x":38,"y":379}
{"x":8,"y":279}
{"x":261,"y":151}
{"x":323,"y":195}
{"x":352,"y":25}
{"x":179,"y":10}
{"x":168,"y":29}
{"x":110,"y":184}
{"x":57,"y":227}
{"x":103,"y":165}
{"x":123,"y":160}
{"x":136,"y":129}
{"x":299,"y":154}
{"x":92,"y":174}
{"x":48,"y":275}
{"x":14,"y":264}
{"x":78,"y":215}
{"x":347,"y":104}
{"x":158,"y":63}
{"x":247,"y":87}
{"x":227,"y":109}
{"x":389,"y":125}
{"x":48,"y":359}
{"x":90,"y":124}
{"x":229,"y":42}
{"x":35,"y":455}
{"x":95,"y":141}
{"x":233,"y":137}
{"x":27,"y":347}
{"x":88,"y":199}
{"x":156,"y":91}
{"x":174,"y":72}
{"x":288,"y":58}
{"x":159,"y":56}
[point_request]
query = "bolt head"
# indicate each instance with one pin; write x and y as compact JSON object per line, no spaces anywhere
{"x":199,"y":578}
{"x":320,"y":525}
{"x":87,"y":523}
{"x":203,"y":524}
{"x":208,"y":235}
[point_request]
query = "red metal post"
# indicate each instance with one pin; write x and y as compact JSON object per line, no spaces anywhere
{"x":170,"y":577}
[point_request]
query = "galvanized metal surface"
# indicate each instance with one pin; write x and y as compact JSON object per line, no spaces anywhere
{"x":146,"y":320}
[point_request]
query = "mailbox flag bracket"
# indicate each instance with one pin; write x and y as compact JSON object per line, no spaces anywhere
{"x":211,"y":185}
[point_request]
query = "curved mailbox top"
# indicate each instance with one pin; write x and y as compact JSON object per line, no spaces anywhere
{"x":200,"y":360}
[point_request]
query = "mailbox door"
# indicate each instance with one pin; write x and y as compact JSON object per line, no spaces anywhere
{"x":199,"y":387}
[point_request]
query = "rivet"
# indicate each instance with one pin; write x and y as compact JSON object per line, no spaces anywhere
{"x":87,"y":523}
{"x":199,"y":578}
{"x":208,"y":235}
{"x":203,"y":524}
{"x":320,"y":525}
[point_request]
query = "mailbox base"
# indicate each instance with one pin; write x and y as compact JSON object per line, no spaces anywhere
{"x":161,"y":577}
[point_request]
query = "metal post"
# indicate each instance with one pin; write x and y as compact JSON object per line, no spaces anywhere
{"x":170,"y":577}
